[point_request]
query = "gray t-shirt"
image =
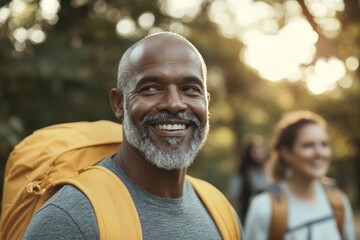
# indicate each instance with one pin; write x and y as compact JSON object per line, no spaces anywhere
{"x":306,"y":220}
{"x":69,"y":214}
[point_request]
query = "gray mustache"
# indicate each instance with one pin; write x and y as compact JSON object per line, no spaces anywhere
{"x":166,"y":116}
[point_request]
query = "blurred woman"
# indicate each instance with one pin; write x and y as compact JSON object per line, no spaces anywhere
{"x":300,"y":161}
{"x":252,"y":175}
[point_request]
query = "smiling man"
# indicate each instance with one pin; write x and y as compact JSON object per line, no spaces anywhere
{"x":162,"y":100}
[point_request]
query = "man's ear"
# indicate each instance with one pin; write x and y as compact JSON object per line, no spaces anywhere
{"x":117,"y":102}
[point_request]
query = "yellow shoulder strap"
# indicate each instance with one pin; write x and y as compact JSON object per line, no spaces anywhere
{"x":279,"y":213}
{"x":334,"y":195}
{"x":114,"y":208}
{"x":114,"y":217}
{"x":218,"y":207}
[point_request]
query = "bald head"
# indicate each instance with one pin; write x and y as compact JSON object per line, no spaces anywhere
{"x":162,"y":82}
{"x":155,"y":46}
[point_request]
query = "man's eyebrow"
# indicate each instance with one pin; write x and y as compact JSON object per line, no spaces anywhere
{"x":146,"y":79}
{"x":155,"y":79}
{"x":195,"y":79}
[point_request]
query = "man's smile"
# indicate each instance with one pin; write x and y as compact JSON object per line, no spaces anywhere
{"x":170,"y":127}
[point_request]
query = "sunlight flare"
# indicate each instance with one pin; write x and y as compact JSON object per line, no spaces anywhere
{"x":279,"y":56}
{"x":325,"y":74}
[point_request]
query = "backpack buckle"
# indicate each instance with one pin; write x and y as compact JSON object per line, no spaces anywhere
{"x":35,"y":188}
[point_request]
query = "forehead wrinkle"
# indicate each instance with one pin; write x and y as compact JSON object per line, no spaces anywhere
{"x":166,"y":48}
{"x":163,"y":49}
{"x":157,"y":42}
{"x":165,"y":53}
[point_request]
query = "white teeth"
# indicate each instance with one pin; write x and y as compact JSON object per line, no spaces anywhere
{"x":170,"y":127}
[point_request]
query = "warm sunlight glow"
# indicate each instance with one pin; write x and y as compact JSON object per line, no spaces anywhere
{"x":79,"y":3}
{"x":292,"y":8}
{"x":49,"y":10}
{"x":323,"y":8}
{"x":324,"y":12}
{"x":279,"y":41}
{"x":20,"y":34}
{"x":19,"y":46}
{"x":178,"y":27}
{"x":258,"y":116}
{"x":37,"y":36}
{"x":246,"y":12}
{"x":4,"y":14}
{"x":346,"y":81}
{"x":325,"y":74}
{"x":50,"y":6}
{"x":185,"y":9}
{"x":125,"y":27}
{"x":276,"y":39}
{"x":279,"y":56}
{"x":352,"y":63}
{"x":100,"y":6}
{"x":17,"y":7}
{"x":146,"y":20}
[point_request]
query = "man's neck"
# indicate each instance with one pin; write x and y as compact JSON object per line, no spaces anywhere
{"x":157,"y":181}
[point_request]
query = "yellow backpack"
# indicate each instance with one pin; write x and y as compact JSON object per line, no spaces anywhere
{"x":279,"y":213}
{"x":66,"y":154}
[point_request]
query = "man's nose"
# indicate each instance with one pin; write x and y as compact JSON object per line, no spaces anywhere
{"x":172,"y":101}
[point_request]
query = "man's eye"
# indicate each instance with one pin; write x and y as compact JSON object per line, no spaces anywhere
{"x":191,"y":89}
{"x":149,"y":89}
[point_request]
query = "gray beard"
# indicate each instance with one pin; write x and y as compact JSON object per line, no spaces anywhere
{"x":176,"y":156}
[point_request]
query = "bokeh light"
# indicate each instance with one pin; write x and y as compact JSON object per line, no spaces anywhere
{"x":280,"y":43}
{"x":37,"y":36}
{"x":126,"y":27}
{"x":146,"y":20}
{"x":352,"y":63}
{"x":325,"y":74}
{"x":279,"y":56}
{"x":185,"y":9}
{"x":4,"y":14}
{"x":20,"y":34}
{"x":49,"y":9}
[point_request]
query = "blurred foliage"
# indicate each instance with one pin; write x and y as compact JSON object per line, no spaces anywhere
{"x":65,"y":71}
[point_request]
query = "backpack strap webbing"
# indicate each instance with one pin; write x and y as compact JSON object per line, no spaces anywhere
{"x":114,"y":219}
{"x":218,"y":207}
{"x":335,"y":200}
{"x":114,"y":208}
{"x":279,"y":213}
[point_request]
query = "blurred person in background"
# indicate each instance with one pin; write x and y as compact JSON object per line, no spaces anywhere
{"x":300,"y":161}
{"x":252,"y":175}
